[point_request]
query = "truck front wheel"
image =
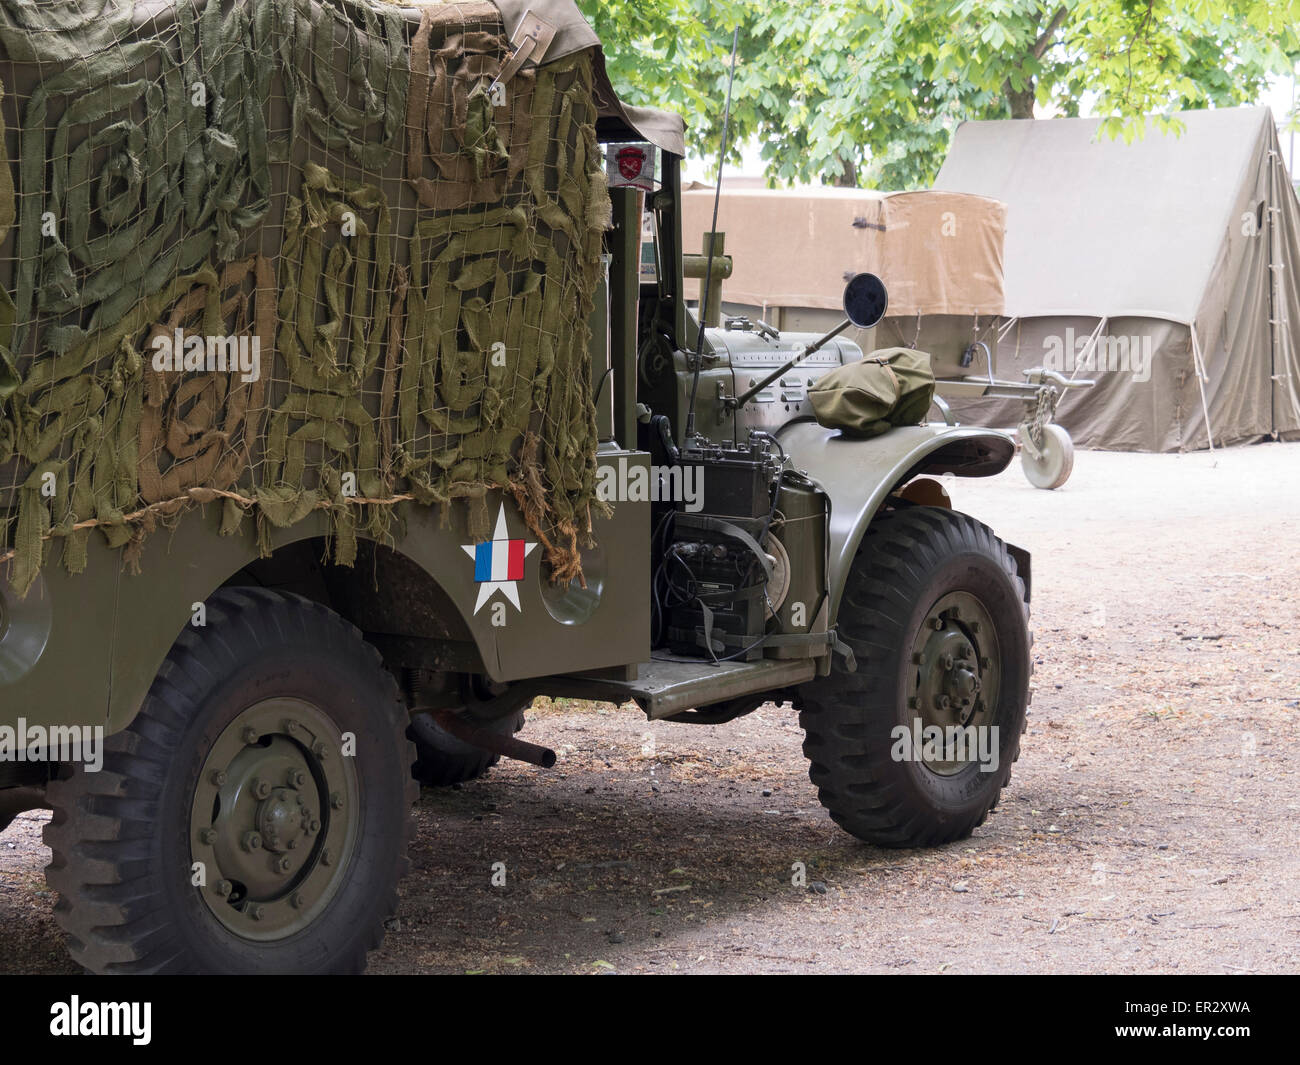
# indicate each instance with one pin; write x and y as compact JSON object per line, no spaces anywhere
{"x":914,"y":748}
{"x":254,"y":816}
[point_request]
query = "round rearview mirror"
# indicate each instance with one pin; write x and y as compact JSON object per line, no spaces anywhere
{"x":865,"y":300}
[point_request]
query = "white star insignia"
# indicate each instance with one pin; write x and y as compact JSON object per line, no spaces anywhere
{"x":499,"y":563}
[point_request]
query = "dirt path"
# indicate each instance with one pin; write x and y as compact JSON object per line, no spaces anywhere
{"x":1151,"y":824}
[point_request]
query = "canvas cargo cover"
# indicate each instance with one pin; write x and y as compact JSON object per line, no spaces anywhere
{"x":938,"y":252}
{"x":574,"y":34}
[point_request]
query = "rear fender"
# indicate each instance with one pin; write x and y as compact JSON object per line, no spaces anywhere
{"x":858,"y":474}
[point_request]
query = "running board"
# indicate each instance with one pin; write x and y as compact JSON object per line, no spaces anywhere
{"x":670,"y":685}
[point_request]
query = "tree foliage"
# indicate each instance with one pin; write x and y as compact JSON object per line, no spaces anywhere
{"x":868,"y":92}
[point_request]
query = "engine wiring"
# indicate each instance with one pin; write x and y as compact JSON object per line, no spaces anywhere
{"x":673,"y":583}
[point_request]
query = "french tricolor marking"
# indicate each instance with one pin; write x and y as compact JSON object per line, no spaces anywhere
{"x":499,"y":560}
{"x":498,"y":563}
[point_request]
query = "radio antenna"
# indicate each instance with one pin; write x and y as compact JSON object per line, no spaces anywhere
{"x":713,"y":229}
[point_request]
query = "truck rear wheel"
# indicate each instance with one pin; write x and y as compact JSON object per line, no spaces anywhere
{"x":935,"y":612}
{"x":254,"y":816}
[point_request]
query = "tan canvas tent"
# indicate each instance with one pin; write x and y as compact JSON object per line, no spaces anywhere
{"x":1165,"y":269}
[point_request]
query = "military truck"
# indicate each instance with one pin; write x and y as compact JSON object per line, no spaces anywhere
{"x":485,"y":459}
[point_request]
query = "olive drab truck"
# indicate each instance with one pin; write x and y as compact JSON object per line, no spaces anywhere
{"x":347,"y":406}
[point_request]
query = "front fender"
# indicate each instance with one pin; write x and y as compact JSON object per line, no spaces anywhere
{"x":858,"y":474}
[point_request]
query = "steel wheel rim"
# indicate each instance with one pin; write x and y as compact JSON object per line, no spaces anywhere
{"x":954,"y":676}
{"x":274,"y":819}
{"x":1055,"y":458}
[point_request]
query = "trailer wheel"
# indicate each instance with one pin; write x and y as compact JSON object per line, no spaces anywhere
{"x":254,"y":816}
{"x":1055,"y":461}
{"x":935,"y":612}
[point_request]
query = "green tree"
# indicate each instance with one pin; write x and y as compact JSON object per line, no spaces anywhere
{"x":868,"y":92}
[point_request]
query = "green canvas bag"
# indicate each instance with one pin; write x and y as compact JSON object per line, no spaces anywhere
{"x":889,"y":387}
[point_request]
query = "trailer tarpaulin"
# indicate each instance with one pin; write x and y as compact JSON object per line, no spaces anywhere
{"x":938,"y":252}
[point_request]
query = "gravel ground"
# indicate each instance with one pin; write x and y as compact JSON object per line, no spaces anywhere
{"x":1150,"y":825}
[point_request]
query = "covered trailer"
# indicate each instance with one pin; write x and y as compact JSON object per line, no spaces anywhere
{"x":790,"y":251}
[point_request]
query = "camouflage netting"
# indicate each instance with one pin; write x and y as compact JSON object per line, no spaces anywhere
{"x":332,"y":184}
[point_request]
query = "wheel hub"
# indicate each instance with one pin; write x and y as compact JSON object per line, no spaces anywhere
{"x":955,"y":671}
{"x":281,"y":821}
{"x":274,"y":818}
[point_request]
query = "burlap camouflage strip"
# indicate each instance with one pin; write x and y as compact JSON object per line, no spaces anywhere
{"x":450,"y":118}
{"x":197,"y":430}
{"x":37,"y":31}
{"x":8,"y":313}
{"x":374,"y":57}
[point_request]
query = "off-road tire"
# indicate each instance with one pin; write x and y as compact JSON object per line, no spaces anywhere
{"x":443,"y":760}
{"x":122,"y":838}
{"x":909,"y":559}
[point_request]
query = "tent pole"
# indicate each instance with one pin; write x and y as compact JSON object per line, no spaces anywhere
{"x":1087,"y":351}
{"x":1199,"y":364}
{"x":1275,"y":323}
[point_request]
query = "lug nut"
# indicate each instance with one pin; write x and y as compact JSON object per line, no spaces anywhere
{"x":966,"y":652}
{"x":320,"y":750}
{"x":261,"y":789}
{"x":218,"y":777}
{"x":296,"y":778}
{"x":250,"y":736}
{"x":975,"y":627}
{"x":336,"y":800}
{"x":297,"y":901}
{"x":290,"y":726}
{"x":293,"y":844}
{"x":251,"y":841}
{"x":223,"y":887}
{"x":314,"y":827}
{"x":326,"y":858}
{"x":936,"y":624}
{"x":255,"y":912}
{"x":208,"y":836}
{"x":942,"y":702}
{"x":283,"y":864}
{"x":985,"y":662}
{"x":947,"y":661}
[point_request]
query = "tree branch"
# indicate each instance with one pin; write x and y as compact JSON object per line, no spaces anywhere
{"x":1045,"y":38}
